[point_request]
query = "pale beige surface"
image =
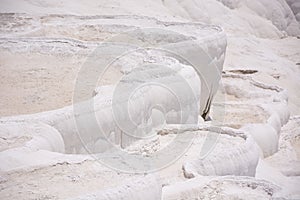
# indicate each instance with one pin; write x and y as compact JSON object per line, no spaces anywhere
{"x":34,"y":82}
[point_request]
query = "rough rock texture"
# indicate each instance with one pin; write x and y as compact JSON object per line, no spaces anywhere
{"x":142,"y":188}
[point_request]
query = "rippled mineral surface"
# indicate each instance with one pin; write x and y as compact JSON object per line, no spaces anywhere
{"x":149,"y":99}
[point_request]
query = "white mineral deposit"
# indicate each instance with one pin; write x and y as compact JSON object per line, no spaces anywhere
{"x":149,"y":99}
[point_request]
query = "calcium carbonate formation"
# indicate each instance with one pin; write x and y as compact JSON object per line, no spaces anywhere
{"x":170,"y":78}
{"x":180,"y":46}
